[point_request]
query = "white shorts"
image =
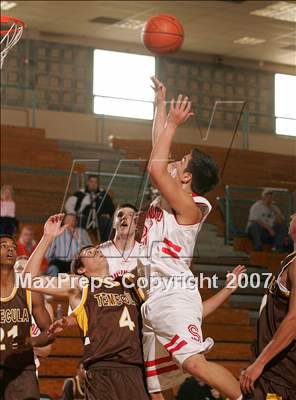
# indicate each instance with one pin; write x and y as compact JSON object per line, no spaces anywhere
{"x":171,"y":334}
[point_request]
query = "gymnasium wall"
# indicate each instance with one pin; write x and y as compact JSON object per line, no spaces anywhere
{"x":61,"y":75}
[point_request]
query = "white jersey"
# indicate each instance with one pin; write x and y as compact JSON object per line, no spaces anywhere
{"x":169,"y":245}
{"x":120,"y":262}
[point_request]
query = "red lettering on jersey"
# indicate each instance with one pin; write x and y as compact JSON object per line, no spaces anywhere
{"x":155,"y":213}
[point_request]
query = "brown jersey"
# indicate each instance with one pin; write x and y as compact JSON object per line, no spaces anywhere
{"x":110,"y":321}
{"x":282,"y":368}
{"x":15,"y":318}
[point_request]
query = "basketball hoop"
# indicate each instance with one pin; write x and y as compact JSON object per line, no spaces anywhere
{"x":11,"y":31}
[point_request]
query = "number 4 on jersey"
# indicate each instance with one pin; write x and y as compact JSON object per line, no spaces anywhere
{"x":125,"y":320}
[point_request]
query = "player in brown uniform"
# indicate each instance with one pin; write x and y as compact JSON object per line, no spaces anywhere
{"x":18,"y":379}
{"x":109,"y":318}
{"x":272,"y":375}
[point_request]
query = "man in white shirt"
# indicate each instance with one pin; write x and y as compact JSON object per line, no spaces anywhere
{"x":266,"y":223}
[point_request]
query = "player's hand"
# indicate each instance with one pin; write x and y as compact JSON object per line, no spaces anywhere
{"x":159,"y":90}
{"x":21,"y":344}
{"x":53,"y":226}
{"x":59,"y":325}
{"x":249,"y":377}
{"x":180,"y":111}
{"x":232,"y":278}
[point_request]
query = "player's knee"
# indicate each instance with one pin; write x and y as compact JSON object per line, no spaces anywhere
{"x":197,"y":366}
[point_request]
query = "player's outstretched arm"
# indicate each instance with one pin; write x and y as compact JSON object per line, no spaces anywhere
{"x":160,"y":114}
{"x":45,"y":350}
{"x":43,"y":321}
{"x":210,"y":305}
{"x":52,"y":229}
{"x":178,"y":199}
{"x":282,"y":338}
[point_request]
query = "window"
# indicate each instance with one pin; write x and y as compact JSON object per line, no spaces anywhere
{"x":121,"y":84}
{"x":285,"y":100}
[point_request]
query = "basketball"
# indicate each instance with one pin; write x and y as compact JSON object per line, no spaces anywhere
{"x":162,"y":34}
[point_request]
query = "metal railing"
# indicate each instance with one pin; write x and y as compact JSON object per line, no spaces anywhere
{"x":30,"y":104}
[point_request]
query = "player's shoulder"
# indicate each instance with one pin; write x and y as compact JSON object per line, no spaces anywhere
{"x":106,"y":246}
{"x":202,"y":203}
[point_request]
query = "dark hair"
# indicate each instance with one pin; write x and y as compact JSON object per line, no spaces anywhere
{"x":6,"y":235}
{"x":77,"y":263}
{"x":92,"y":176}
{"x":127,"y":205}
{"x":204,"y":170}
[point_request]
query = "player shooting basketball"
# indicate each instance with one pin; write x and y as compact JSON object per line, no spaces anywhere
{"x":172,"y":335}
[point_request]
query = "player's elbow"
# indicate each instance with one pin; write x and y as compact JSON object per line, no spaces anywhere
{"x":155,"y":171}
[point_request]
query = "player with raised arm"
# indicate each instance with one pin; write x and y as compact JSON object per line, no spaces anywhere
{"x":17,"y":306}
{"x":273,"y":372}
{"x":172,"y":317}
{"x":108,"y":315}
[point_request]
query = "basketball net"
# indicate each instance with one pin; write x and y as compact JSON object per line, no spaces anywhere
{"x":11,"y":32}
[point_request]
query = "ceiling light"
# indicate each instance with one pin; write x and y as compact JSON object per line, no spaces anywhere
{"x":249,"y":41}
{"x":7,"y":5}
{"x":281,"y":10}
{"x":130,"y":23}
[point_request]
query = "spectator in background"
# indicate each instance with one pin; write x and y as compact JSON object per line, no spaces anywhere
{"x":66,"y":246}
{"x":26,"y":242}
{"x":94,"y":209}
{"x":266,"y":223}
{"x":74,"y":387}
{"x":8,"y":223}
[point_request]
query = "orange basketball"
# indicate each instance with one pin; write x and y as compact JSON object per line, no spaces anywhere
{"x":162,"y":34}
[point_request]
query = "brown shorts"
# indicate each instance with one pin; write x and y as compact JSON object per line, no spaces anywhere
{"x":115,"y":383}
{"x":268,"y":390}
{"x":18,"y":384}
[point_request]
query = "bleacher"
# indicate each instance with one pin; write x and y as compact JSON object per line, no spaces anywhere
{"x":39,"y":172}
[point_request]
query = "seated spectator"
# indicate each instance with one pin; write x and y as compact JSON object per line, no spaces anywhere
{"x":266,"y":223}
{"x":94,"y":209}
{"x":66,"y":246}
{"x":74,"y":387}
{"x":26,"y":243}
{"x":8,"y":223}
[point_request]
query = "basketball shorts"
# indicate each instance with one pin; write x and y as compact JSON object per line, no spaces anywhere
{"x":171,"y":334}
{"x":18,"y":384}
{"x":268,"y":390}
{"x":115,"y":383}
